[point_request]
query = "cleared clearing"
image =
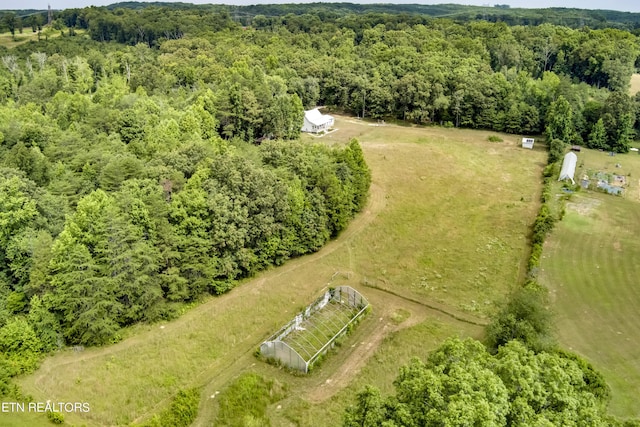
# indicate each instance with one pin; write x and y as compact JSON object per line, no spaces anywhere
{"x":8,"y":41}
{"x":459,"y":207}
{"x":591,"y":266}
{"x":444,"y":230}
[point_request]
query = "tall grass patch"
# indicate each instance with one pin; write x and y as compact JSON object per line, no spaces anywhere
{"x":181,"y":412}
{"x":244,"y":403}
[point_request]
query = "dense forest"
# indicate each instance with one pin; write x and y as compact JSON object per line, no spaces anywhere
{"x":148,"y":154}
{"x":475,"y":74}
{"x":413,"y":13}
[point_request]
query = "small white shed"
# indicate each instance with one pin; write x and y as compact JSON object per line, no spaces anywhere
{"x":528,"y":143}
{"x":568,"y":167}
{"x":315,"y":121}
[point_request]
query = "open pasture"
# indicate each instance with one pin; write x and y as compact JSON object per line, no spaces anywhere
{"x":443,"y":238}
{"x":459,"y":208}
{"x":590,"y":264}
{"x":8,"y":41}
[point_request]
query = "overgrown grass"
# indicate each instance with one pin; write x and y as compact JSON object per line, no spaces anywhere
{"x":590,"y":265}
{"x":244,"y":403}
{"x":181,"y":412}
{"x":446,"y":224}
{"x":23,"y":419}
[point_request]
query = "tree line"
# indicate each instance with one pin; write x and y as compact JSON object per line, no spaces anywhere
{"x":473,"y":74}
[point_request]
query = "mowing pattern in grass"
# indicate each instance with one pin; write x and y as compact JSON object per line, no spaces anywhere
{"x":300,"y":343}
{"x":591,"y":266}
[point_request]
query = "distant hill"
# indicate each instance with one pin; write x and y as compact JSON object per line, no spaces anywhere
{"x":570,"y":17}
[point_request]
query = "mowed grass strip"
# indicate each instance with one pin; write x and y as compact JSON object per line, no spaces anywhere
{"x":590,"y":264}
{"x":447,"y":221}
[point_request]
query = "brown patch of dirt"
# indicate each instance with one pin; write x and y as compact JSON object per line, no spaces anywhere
{"x":585,"y":206}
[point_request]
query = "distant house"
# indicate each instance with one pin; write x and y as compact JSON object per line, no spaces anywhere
{"x":528,"y":143}
{"x":568,"y":167}
{"x":315,"y":121}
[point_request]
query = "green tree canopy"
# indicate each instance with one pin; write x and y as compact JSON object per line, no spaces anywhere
{"x":462,"y":384}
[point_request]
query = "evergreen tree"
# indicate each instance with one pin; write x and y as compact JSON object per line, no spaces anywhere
{"x":560,"y":121}
{"x":598,"y":136}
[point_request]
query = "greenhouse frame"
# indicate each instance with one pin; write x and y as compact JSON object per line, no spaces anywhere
{"x":301,"y":342}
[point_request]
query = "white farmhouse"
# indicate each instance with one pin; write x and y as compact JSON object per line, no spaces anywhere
{"x":315,"y":121}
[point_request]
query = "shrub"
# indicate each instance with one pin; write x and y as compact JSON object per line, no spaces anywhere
{"x":183,"y":409}
{"x":247,"y":399}
{"x":525,"y":318}
{"x":543,"y":224}
{"x":55,"y":417}
{"x":556,"y":150}
{"x":181,"y":413}
{"x":494,"y":138}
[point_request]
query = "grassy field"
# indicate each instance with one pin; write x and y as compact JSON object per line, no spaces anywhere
{"x":22,"y":419}
{"x":591,"y":266}
{"x":8,"y":41}
{"x":441,"y":239}
{"x":458,"y":210}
